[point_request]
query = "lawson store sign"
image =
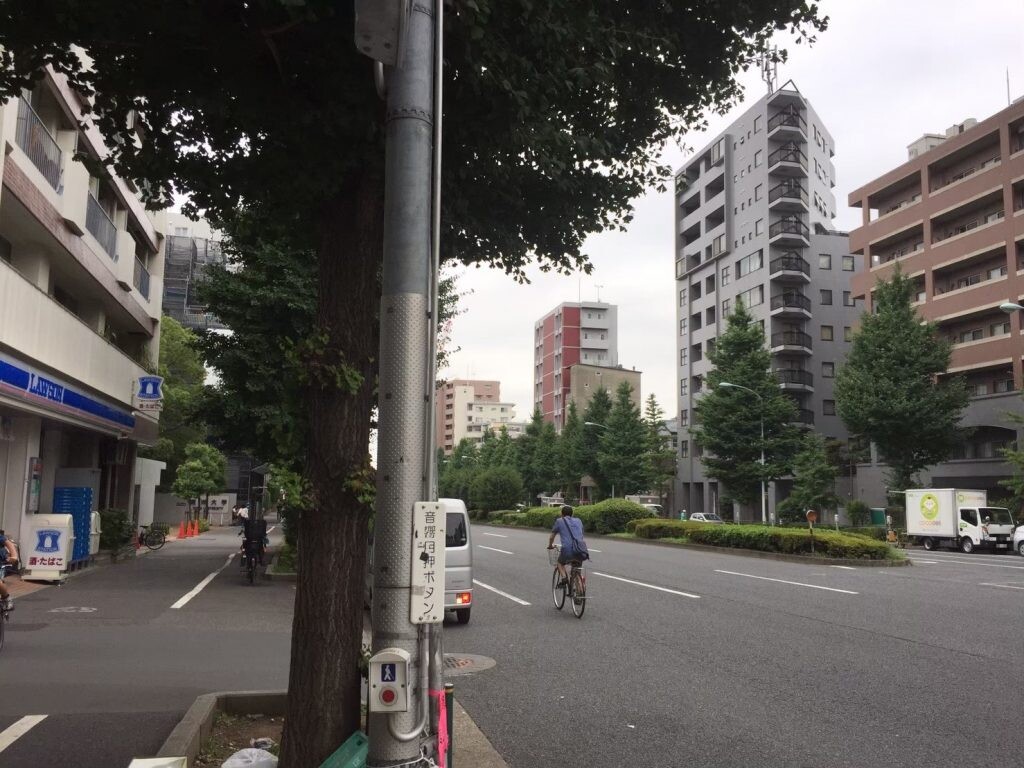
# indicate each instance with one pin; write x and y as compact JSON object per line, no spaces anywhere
{"x":26,"y":383}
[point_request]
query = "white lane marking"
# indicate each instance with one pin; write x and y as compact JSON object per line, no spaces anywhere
{"x":973,"y":562}
{"x":202,"y":584}
{"x":495,"y":549}
{"x":271,"y":528}
{"x":793,"y":583}
{"x":596,"y":550}
{"x":513,"y":598}
{"x":495,"y":535}
{"x":1001,"y":586}
{"x":19,"y":729}
{"x":649,"y":586}
{"x":844,"y":567}
{"x":926,"y":562}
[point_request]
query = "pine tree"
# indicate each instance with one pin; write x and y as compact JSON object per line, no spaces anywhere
{"x":487,"y":449}
{"x":659,"y":457}
{"x":814,"y":478}
{"x":892,"y":389}
{"x":545,"y":460}
{"x":728,"y":419}
{"x":596,"y":413}
{"x":570,"y":453}
{"x":504,"y":450}
{"x":623,"y":445}
{"x":526,"y":449}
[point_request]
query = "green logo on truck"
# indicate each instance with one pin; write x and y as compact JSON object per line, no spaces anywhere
{"x":929,"y":506}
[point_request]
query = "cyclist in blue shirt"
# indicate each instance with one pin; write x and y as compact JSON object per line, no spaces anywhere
{"x":569,"y":530}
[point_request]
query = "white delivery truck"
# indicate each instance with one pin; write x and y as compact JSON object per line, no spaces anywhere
{"x":957,"y":517}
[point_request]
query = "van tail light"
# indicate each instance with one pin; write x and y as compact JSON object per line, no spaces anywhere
{"x":463,"y":598}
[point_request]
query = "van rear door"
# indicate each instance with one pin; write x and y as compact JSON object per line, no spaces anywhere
{"x":458,"y":574}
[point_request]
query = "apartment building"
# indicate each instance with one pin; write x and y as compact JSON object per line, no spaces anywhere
{"x":192,"y":247}
{"x":581,"y":332}
{"x":464,"y":408}
{"x":585,"y":380}
{"x":952,"y":219}
{"x":81,"y":271}
{"x":753,"y":222}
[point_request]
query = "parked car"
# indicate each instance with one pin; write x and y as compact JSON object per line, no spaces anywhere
{"x":706,"y":517}
{"x":1018,"y":539}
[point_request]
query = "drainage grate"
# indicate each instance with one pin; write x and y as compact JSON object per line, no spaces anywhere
{"x":465,"y":664}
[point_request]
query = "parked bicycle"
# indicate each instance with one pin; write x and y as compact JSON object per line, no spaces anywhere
{"x":575,"y":587}
{"x":152,"y":536}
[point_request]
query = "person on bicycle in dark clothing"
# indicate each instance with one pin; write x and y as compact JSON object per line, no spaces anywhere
{"x":255,"y":538}
{"x":569,"y":530}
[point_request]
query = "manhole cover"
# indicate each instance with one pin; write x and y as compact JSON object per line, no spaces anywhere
{"x":465,"y":664}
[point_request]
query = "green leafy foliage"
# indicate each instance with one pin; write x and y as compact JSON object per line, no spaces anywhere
{"x":858,"y":512}
{"x":623,"y":446}
{"x":116,"y":528}
{"x":659,"y":455}
{"x":496,"y":488}
{"x":596,"y":413}
{"x":813,"y":483}
{"x":608,"y":516}
{"x":537,"y":457}
{"x":728,"y":420}
{"x":570,"y":453}
{"x":892,"y":390}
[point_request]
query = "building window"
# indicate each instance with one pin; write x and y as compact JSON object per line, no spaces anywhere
{"x":847,"y":334}
{"x":682,"y":356}
{"x":999,"y":329}
{"x":996,"y":272}
{"x":682,"y":387}
{"x":725,"y":275}
{"x":753,"y":297}
{"x":749,"y":264}
{"x":682,"y":297}
{"x":709,"y":316}
{"x":698,"y":383}
{"x":759,"y":227}
{"x":826,"y":333}
{"x":757,"y":191}
{"x":181,"y":231}
{"x":695,"y":321}
{"x":826,"y":297}
{"x":684,"y":418}
{"x":979,"y":389}
{"x":696,"y":290}
{"x":1003,"y":385}
{"x":698,"y":353}
{"x":682,"y":327}
{"x":828,"y":407}
{"x":828,"y":370}
{"x":726,"y":307}
{"x":848,"y":300}
{"x":824,"y":261}
{"x":848,"y":264}
{"x":684,"y":448}
{"x":709,"y":284}
{"x":757,"y":123}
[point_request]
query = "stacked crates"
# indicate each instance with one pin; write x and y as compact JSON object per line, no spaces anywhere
{"x":76,"y":502}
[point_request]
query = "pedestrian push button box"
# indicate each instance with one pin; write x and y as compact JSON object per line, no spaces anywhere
{"x":389,"y":674}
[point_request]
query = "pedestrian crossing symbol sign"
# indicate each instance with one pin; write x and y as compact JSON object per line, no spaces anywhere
{"x":387,"y":673}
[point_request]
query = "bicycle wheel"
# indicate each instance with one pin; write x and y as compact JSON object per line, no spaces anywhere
{"x":252,"y":571}
{"x":579,"y":594}
{"x":155,"y":539}
{"x":557,"y":592}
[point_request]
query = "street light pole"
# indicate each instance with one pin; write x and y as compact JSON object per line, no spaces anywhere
{"x":764,"y":495}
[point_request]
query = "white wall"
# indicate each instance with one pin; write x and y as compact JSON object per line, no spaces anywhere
{"x":14,"y":456}
{"x":147,"y":478}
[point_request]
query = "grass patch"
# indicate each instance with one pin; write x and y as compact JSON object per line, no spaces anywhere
{"x":232,"y":733}
{"x":621,"y":535}
{"x":287,"y":558}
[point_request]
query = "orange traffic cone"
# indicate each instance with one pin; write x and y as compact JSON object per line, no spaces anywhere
{"x":181,"y":530}
{"x":195,"y":527}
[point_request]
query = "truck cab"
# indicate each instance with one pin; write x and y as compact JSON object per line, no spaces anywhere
{"x":988,"y":527}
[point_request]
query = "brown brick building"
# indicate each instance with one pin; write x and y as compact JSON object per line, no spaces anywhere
{"x":952,"y":217}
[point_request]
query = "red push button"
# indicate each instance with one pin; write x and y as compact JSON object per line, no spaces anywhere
{"x":388,"y":696}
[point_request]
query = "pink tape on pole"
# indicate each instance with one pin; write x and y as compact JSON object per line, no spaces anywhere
{"x":442,"y":728}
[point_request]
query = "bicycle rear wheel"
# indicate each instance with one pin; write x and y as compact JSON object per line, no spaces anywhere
{"x":557,"y":592}
{"x":155,"y":539}
{"x":579,"y":594}
{"x":252,"y":571}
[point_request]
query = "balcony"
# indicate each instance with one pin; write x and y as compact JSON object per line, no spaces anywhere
{"x":39,"y":144}
{"x":789,"y":124}
{"x":794,"y":379}
{"x":788,"y":196}
{"x":948,"y":229}
{"x":789,"y":231}
{"x":101,"y":226}
{"x":804,"y":417}
{"x":790,"y":304}
{"x":788,"y":160}
{"x":141,"y":279}
{"x":791,"y":341}
{"x":790,"y":267}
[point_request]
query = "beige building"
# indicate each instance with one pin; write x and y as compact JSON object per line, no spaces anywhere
{"x":455,"y":405}
{"x":587,"y":379}
{"x":81,"y":269}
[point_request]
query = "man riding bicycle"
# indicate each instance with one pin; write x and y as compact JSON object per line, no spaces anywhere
{"x":569,"y":530}
{"x":8,"y":556}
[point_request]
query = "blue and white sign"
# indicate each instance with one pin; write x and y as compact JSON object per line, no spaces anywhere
{"x":387,"y":673}
{"x":149,"y":394}
{"x":47,"y":540}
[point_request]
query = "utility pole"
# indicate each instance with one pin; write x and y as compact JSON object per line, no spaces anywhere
{"x":406,"y":369}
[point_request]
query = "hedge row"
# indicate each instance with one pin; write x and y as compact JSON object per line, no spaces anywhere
{"x":608,"y":516}
{"x":757,"y":537}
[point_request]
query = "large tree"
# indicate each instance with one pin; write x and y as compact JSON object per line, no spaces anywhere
{"x":622,"y":453}
{"x":556,"y":113}
{"x":728,"y":419}
{"x":570,"y":453}
{"x":659,"y":455}
{"x":814,"y":481}
{"x":892,"y":389}
{"x":595,"y":419}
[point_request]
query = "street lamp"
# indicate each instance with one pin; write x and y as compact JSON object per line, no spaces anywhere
{"x":599,"y":426}
{"x":764,"y":509}
{"x":1010,"y":307}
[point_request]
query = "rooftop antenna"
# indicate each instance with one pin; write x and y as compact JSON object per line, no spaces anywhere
{"x":599,"y":287}
{"x":767,"y":61}
{"x":1008,"y":101}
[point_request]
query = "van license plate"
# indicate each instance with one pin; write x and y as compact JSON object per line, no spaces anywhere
{"x":1001,"y":545}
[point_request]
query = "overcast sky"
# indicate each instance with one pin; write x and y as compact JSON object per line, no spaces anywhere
{"x":883,"y":73}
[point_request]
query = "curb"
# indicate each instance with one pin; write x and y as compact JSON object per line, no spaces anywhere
{"x":271,"y":576}
{"x":805,"y":559}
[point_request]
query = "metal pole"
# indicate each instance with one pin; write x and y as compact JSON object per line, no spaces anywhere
{"x":405,"y":319}
{"x":764,"y":499}
{"x":449,"y":702}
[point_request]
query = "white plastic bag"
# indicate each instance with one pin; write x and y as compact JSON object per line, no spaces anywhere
{"x":250,"y":758}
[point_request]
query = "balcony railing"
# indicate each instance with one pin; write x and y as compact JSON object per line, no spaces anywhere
{"x":789,"y":227}
{"x":101,"y":226}
{"x":790,"y":191}
{"x":791,"y":300}
{"x":37,"y":142}
{"x":791,"y":119}
{"x":141,"y":279}
{"x":794,"y":376}
{"x":791,"y":339}
{"x":804,"y":416}
{"x":789,"y":264}
{"x":790,"y":153}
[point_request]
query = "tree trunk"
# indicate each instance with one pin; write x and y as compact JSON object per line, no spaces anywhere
{"x":324,"y":680}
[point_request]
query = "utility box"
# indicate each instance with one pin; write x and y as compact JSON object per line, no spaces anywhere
{"x":389,"y":675}
{"x":46,"y":547}
{"x":95,"y":529}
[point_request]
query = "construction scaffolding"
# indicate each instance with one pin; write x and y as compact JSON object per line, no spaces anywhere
{"x":185,"y":263}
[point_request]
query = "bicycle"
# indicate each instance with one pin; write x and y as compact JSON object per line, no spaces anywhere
{"x":575,"y":588}
{"x":252,"y":555}
{"x":5,"y":614}
{"x":152,"y":536}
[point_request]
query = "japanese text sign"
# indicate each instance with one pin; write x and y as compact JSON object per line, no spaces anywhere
{"x":426,"y":605}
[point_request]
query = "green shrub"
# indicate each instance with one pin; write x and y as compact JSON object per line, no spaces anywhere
{"x":290,"y":516}
{"x":875,"y":532}
{"x":204,"y":525}
{"x":611,"y":515}
{"x":859,"y":513}
{"x":116,"y":528}
{"x":779,"y":539}
{"x":541,"y":517}
{"x":898,"y":515}
{"x":496,"y":488}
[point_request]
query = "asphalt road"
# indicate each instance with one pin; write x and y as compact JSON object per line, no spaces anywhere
{"x":113,"y":667}
{"x":760,"y":662}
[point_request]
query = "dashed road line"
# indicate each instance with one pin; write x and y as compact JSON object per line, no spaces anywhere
{"x":1001,"y":586}
{"x":497,"y":591}
{"x":496,"y":535}
{"x":844,"y":567}
{"x":495,"y":549}
{"x":793,"y":583}
{"x":648,"y":586}
{"x":15,"y":731}
{"x":183,"y":600}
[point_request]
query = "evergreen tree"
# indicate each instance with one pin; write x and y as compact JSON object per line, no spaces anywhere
{"x":496,"y":488}
{"x":458,"y":472}
{"x":570,"y":453}
{"x":504,"y":450}
{"x":596,"y":412}
{"x":486,"y":450}
{"x":892,"y":389}
{"x":623,"y":446}
{"x":545,"y":460}
{"x":526,"y":450}
{"x":814,"y":479}
{"x":659,"y":457}
{"x":727,"y":424}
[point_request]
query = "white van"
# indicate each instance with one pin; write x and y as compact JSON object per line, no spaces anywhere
{"x":458,"y":568}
